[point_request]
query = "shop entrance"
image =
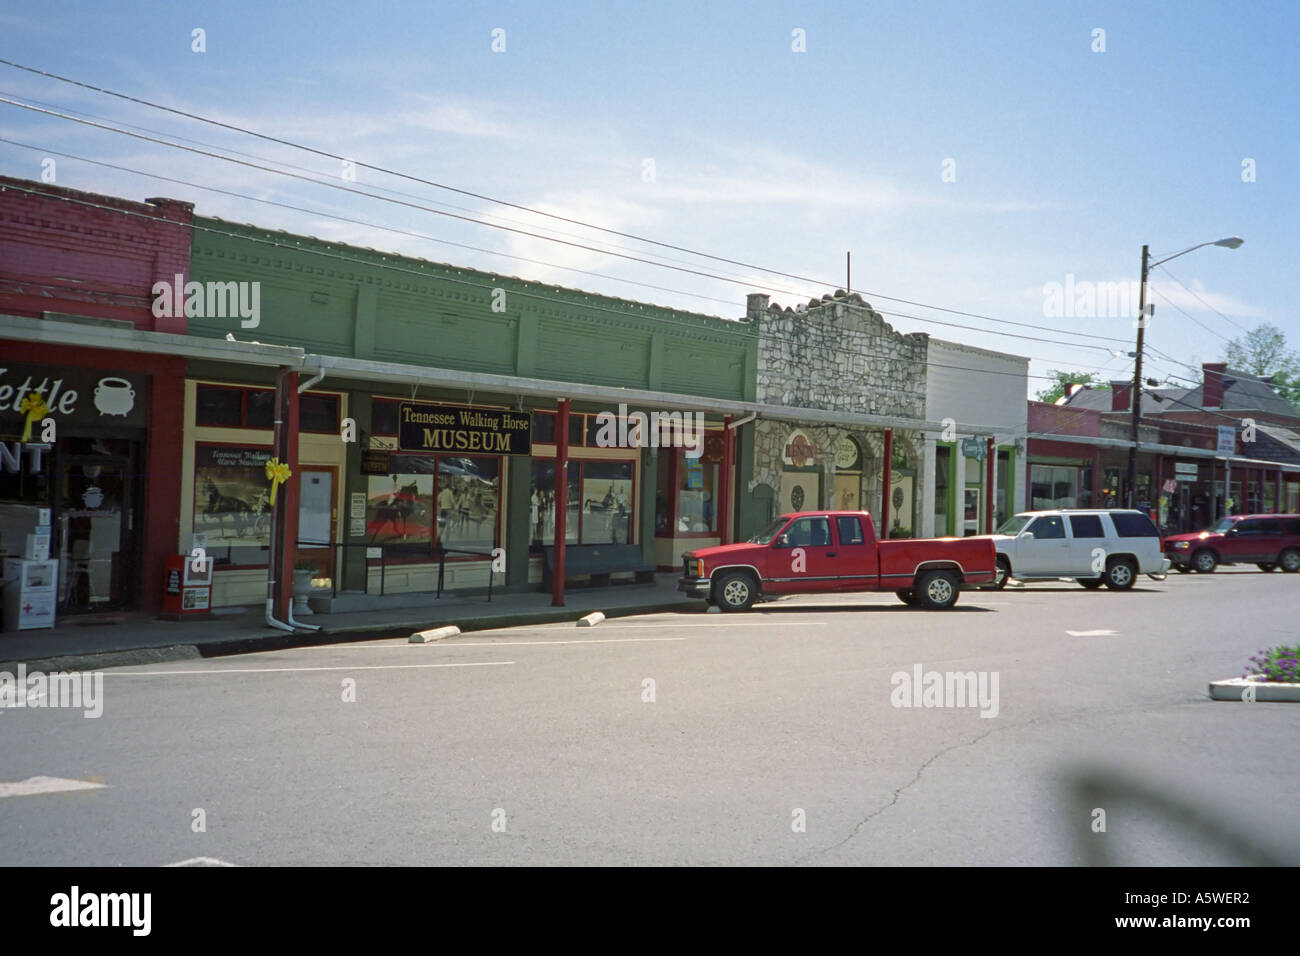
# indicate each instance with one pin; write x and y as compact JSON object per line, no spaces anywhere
{"x":95,"y":526}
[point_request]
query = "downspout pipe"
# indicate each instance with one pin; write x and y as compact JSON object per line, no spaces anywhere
{"x":273,"y":556}
{"x":314,"y":380}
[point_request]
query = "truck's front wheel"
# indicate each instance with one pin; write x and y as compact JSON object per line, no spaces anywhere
{"x":735,"y":591}
{"x":937,"y":590}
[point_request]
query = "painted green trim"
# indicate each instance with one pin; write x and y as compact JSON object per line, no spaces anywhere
{"x":954,"y":475}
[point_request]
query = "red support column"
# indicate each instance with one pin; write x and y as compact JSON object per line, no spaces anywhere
{"x":1098,"y":477}
{"x":290,"y":490}
{"x":561,"y":498}
{"x":990,"y":457}
{"x":1278,"y":507}
{"x":725,"y":492}
{"x":885,"y":481}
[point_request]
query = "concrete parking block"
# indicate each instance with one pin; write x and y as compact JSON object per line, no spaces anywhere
{"x":434,"y":634}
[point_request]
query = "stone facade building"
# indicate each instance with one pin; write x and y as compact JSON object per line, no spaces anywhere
{"x":835,"y":354}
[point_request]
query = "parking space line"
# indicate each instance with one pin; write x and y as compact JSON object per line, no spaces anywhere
{"x":462,"y":642}
{"x":34,"y":786}
{"x":291,"y":670}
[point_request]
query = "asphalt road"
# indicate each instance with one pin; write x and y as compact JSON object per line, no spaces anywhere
{"x":539,"y":745}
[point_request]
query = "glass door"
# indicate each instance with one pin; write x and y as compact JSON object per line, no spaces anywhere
{"x":95,"y":530}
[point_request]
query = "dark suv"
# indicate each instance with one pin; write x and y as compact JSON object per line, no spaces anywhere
{"x":1268,"y":541}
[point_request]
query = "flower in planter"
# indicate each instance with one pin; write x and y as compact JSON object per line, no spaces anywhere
{"x":1278,"y":664}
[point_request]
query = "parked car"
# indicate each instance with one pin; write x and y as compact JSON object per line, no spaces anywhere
{"x":812,"y":552}
{"x":1092,"y":546}
{"x":1267,"y":541}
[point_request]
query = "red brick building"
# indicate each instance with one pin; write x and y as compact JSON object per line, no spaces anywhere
{"x":76,"y":274}
{"x":1078,"y":449}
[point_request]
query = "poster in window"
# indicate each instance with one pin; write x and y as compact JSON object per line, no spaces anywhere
{"x":399,"y":508}
{"x":232,"y":498}
{"x":606,"y":503}
{"x":468,"y":492}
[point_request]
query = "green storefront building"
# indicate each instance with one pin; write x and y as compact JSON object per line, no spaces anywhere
{"x":428,"y":417}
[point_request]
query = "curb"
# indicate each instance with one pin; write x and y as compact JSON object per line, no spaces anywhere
{"x":1264,"y":691}
{"x":127,"y":657}
{"x":280,"y":640}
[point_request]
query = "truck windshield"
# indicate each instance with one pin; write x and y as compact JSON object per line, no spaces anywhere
{"x":1015,"y":525}
{"x":765,"y":537}
{"x":1223,"y":525}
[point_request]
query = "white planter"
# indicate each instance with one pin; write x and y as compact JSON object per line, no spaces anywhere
{"x":1261,"y":690}
{"x":301,"y":591}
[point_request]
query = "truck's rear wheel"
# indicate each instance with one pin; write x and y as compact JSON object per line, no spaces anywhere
{"x":735,"y":591}
{"x":937,"y":590}
{"x":1001,"y":576}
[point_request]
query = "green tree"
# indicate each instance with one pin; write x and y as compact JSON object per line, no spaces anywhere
{"x":1063,"y":379}
{"x":1263,"y":351}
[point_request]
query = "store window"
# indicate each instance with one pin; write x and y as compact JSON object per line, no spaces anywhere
{"x":942,"y":489}
{"x":544,"y":428}
{"x":433,"y":499}
{"x":230,"y":406}
{"x":687,"y":490}
{"x":259,"y":409}
{"x":383,"y":417}
{"x":1053,"y":486}
{"x":318,"y":413}
{"x":232,"y":505}
{"x":599,"y":503}
{"x":606,"y":502}
{"x":219,"y":406}
{"x":542,"y":498}
{"x":697,"y":484}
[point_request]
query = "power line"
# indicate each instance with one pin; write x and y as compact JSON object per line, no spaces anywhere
{"x":771,"y":334}
{"x":573,"y":221}
{"x":1202,"y":301}
{"x":1176,"y":308}
{"x":358,"y":222}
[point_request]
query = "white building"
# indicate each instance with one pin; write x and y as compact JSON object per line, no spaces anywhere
{"x":972,"y":385}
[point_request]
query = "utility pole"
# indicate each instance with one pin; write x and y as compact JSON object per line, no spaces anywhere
{"x":848,"y":272}
{"x":1137,"y":382}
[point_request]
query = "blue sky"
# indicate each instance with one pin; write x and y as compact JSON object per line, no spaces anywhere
{"x":1066,"y":160}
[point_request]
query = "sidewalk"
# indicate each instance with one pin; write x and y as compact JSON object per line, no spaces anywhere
{"x":111,"y":640}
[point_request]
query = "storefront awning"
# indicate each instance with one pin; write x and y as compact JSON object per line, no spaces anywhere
{"x":108,"y":334}
{"x":1172,"y":450}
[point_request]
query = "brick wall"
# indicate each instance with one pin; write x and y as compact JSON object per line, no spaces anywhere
{"x":84,"y":254}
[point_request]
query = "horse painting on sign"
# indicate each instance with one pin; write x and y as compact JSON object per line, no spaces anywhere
{"x":404,"y":509}
{"x":220,"y":506}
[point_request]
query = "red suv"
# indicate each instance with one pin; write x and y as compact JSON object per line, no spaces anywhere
{"x":1268,"y":541}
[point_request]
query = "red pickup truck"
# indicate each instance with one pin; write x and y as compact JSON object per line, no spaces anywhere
{"x":811,"y":552}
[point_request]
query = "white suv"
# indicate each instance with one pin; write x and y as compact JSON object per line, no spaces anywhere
{"x":1093,"y":546}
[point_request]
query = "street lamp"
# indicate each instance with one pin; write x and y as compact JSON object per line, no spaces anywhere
{"x":1232,"y":242}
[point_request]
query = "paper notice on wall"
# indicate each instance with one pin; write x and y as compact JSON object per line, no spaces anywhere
{"x":357,"y":527}
{"x":358,"y":508}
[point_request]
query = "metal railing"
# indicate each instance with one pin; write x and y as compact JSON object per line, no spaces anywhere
{"x":387,"y":555}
